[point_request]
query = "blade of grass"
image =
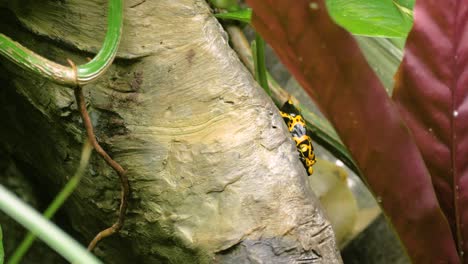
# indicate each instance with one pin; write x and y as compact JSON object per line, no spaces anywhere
{"x":230,"y":5}
{"x":258,"y":48}
{"x":59,"y":200}
{"x":243,"y":15}
{"x":24,"y":214}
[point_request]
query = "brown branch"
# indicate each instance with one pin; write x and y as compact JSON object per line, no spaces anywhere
{"x":80,"y":100}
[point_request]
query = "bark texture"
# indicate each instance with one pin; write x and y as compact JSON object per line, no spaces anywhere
{"x":214,"y":174}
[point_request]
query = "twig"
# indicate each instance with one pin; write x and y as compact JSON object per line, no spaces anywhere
{"x":80,"y":100}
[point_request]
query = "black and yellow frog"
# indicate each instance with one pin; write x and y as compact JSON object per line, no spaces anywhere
{"x":298,"y":129}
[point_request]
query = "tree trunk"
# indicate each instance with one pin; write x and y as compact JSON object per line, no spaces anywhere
{"x":214,"y":174}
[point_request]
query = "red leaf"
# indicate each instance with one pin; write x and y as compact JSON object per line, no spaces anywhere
{"x":327,"y":62}
{"x":432,"y":93}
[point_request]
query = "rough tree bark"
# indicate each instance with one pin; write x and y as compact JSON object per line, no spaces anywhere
{"x":214,"y":174}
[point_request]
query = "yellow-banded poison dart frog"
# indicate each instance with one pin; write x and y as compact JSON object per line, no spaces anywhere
{"x":298,"y":129}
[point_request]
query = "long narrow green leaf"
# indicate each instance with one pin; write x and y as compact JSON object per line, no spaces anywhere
{"x":44,"y":229}
{"x":405,"y":3}
{"x":230,"y":5}
{"x":258,"y":48}
{"x":243,"y":15}
{"x":56,"y":204}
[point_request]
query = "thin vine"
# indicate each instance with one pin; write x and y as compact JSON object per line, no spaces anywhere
{"x":125,"y":186}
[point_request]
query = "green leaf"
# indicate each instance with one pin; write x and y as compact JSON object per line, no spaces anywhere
{"x":230,"y":5}
{"x":47,"y":231}
{"x":384,"y":18}
{"x":243,"y":15}
{"x":405,"y":3}
{"x":58,"y":201}
{"x":376,"y":18}
{"x":258,"y":49}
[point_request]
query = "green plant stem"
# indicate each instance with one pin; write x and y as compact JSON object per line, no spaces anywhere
{"x":47,"y":231}
{"x":56,"y":204}
{"x":44,"y":229}
{"x":60,"y":74}
{"x":242,"y":15}
{"x":98,"y":65}
{"x":230,"y":5}
{"x":30,"y":61}
{"x":258,"y":49}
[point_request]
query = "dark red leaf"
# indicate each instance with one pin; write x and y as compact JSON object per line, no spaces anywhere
{"x":432,"y":93}
{"x":327,"y":62}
